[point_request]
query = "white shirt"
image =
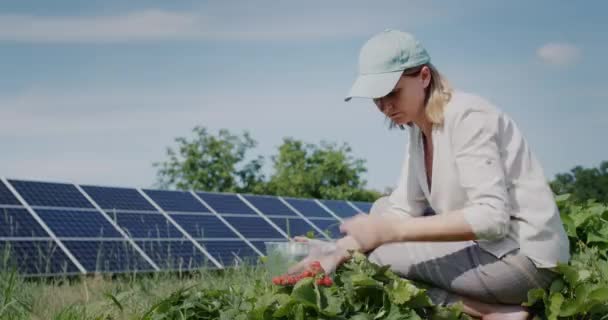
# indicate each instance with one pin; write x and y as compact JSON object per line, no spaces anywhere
{"x":483,"y":165}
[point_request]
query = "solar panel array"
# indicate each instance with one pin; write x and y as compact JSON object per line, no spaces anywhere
{"x":62,"y":229}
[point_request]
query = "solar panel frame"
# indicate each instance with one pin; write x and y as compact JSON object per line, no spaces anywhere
{"x":174,"y":201}
{"x":24,"y":251}
{"x":19,"y":223}
{"x":176,"y":225}
{"x":119,"y":199}
{"x":52,"y":236}
{"x":161,"y":258}
{"x":7,"y":198}
{"x":50,"y":194}
{"x":118,"y":228}
{"x":309,"y":208}
{"x":122,"y":256}
{"x":230,"y":226}
{"x":76,"y":224}
{"x":363,"y":206}
{"x":226,"y":203}
{"x":270,"y":205}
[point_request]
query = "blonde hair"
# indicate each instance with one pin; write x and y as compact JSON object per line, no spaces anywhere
{"x":438,"y":94}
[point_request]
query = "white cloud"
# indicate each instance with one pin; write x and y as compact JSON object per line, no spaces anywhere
{"x":561,"y":54}
{"x":223,"y":21}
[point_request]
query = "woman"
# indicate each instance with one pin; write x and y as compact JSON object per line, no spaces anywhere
{"x":496,"y":232}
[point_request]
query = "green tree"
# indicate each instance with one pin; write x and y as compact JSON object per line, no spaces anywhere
{"x":583,"y":183}
{"x":212,"y":163}
{"x":217,"y":163}
{"x":327,"y":171}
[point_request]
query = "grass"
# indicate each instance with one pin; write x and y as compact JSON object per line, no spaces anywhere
{"x":104,"y":297}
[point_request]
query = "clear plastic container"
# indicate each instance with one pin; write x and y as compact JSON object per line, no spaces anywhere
{"x":282,"y":255}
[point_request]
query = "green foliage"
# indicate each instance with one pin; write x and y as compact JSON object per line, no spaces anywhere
{"x":363,"y":290}
{"x":581,"y":291}
{"x":211,"y":163}
{"x":327,"y":171}
{"x":218,"y":163}
{"x":583,"y":183}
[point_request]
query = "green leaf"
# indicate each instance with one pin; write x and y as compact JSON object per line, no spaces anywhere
{"x":562,"y":198}
{"x":304,"y":292}
{"x":364,"y":281}
{"x":595,"y":237}
{"x":362,"y":316}
{"x":534,"y":296}
{"x":555,"y":303}
{"x":600,"y":294}
{"x":557,"y":286}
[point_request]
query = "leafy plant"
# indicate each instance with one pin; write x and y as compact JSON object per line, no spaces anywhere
{"x":581,"y":291}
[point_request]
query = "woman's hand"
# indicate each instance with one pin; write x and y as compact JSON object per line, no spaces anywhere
{"x":372,"y":231}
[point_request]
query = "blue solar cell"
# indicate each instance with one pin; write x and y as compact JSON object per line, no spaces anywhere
{"x":176,"y":201}
{"x":309,"y":208}
{"x":227,"y":251}
{"x":107,"y":256}
{"x":145,"y":225}
{"x":51,"y":194}
{"x":19,"y":223}
{"x":175,"y":255}
{"x":340,"y":208}
{"x":35,"y":258}
{"x":253,"y":227}
{"x":6,"y":196}
{"x":270,"y":205}
{"x":365,"y":207}
{"x":260,"y":245}
{"x":293,"y":226}
{"x":330,"y":227}
{"x":85,"y":224}
{"x":118,"y":198}
{"x":226,"y":203}
{"x":202,"y":226}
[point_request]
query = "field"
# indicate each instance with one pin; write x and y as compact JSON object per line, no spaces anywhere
{"x":361,"y":290}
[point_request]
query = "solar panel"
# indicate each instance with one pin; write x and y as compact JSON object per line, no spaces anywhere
{"x":147,"y":217}
{"x":260,"y":245}
{"x":330,"y":227}
{"x":19,"y":223}
{"x":228,"y":252}
{"x":176,"y":201}
{"x":118,"y":198}
{"x":270,"y":205}
{"x":30,"y":257}
{"x":70,"y":223}
{"x":6,"y":196}
{"x":175,"y":254}
{"x":308,"y":208}
{"x":145,"y":225}
{"x":254,"y":227}
{"x":203,"y":226}
{"x":293,"y":226}
{"x":107,"y":256}
{"x":50,"y":194}
{"x":340,"y":208}
{"x":365,"y":207}
{"x":226,"y":203}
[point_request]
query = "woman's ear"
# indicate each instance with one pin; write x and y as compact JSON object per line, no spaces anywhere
{"x":425,"y":76}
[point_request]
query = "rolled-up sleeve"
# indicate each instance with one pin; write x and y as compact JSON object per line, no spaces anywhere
{"x":407,"y":198}
{"x":481,"y":173}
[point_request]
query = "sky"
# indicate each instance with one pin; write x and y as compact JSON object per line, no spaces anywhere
{"x":94,"y":92}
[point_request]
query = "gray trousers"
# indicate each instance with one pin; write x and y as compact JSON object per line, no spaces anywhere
{"x":462,"y":268}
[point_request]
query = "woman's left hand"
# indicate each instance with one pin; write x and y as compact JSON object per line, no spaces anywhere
{"x":372,"y":231}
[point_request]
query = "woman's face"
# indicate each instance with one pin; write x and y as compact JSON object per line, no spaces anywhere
{"x":406,"y":102}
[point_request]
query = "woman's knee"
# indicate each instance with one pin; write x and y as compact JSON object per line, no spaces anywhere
{"x":380,"y":205}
